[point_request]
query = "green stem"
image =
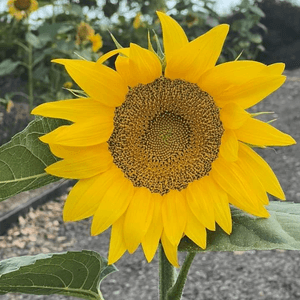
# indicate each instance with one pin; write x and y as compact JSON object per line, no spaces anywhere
{"x":30,"y":77}
{"x":175,"y":292}
{"x":166,"y":274}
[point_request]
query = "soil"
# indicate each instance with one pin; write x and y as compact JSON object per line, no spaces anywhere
{"x":264,"y":275}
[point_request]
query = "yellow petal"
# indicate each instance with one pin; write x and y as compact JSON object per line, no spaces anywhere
{"x":229,"y":74}
{"x":51,"y":136}
{"x":233,"y":116}
{"x":85,"y":163}
{"x":251,"y":92}
{"x":174,"y":216}
{"x":221,"y":205}
{"x":85,"y":196}
{"x":195,"y":230}
{"x":173,"y":35}
{"x":90,"y":132}
{"x":170,"y":250}
{"x":106,"y":56}
{"x":117,"y":245}
{"x":274,"y":69}
{"x":97,"y":80}
{"x":200,"y":203}
{"x":113,"y":205}
{"x":151,"y":239}
{"x":256,"y":132}
{"x":229,"y":146}
{"x":138,"y":218}
{"x":232,"y":180}
{"x":144,"y":66}
{"x":122,"y":67}
{"x":198,"y":56}
{"x":253,"y":181}
{"x":73,"y":110}
{"x":262,"y":170}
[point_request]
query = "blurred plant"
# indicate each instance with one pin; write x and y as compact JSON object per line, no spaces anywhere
{"x":86,"y":33}
{"x":137,"y":21}
{"x":20,"y":9}
{"x":245,"y":28}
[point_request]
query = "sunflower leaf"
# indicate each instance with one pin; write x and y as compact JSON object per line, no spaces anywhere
{"x":76,"y":274}
{"x":280,"y":231}
{"x":24,"y":158}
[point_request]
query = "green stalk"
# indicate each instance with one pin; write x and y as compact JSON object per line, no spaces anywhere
{"x":30,"y":77}
{"x":167,"y":274}
{"x":175,"y":292}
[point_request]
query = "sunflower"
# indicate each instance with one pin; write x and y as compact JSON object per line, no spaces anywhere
{"x":21,"y":8}
{"x":161,"y":152}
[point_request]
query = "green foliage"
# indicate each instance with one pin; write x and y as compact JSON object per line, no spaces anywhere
{"x":280,"y":231}
{"x":24,"y":158}
{"x":76,"y":274}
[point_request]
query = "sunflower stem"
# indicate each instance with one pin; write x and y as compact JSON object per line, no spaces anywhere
{"x":167,"y":274}
{"x":175,"y":292}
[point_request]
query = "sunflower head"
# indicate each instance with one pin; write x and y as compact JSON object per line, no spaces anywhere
{"x":162,"y":152}
{"x":21,"y":8}
{"x":84,"y":32}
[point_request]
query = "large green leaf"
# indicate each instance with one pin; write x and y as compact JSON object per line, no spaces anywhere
{"x":280,"y":231}
{"x":76,"y":274}
{"x":24,"y":158}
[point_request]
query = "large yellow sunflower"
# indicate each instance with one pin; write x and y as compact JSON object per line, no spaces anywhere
{"x":162,"y":153}
{"x":21,"y":8}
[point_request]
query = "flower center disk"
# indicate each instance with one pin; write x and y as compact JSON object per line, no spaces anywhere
{"x":22,"y":4}
{"x":166,"y":135}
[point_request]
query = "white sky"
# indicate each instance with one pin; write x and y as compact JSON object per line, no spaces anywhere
{"x":222,"y":6}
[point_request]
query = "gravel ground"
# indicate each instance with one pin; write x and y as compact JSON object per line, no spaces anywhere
{"x":264,"y":275}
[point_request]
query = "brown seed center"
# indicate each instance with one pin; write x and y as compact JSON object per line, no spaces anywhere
{"x":166,"y":135}
{"x":22,"y":4}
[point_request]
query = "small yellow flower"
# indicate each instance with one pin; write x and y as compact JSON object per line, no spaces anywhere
{"x":68,"y":84}
{"x":21,"y":8}
{"x":9,"y":106}
{"x":137,"y":21}
{"x":96,"y":41}
{"x":84,"y":32}
{"x":162,"y":152}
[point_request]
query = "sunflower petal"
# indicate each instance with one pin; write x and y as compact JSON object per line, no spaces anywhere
{"x":198,"y":56}
{"x":251,"y":92}
{"x":122,"y":67}
{"x":85,"y":163}
{"x":170,"y":250}
{"x":229,"y":146}
{"x":254,"y":182}
{"x":113,"y":205}
{"x":233,"y":116}
{"x":90,"y":132}
{"x":138,"y":218}
{"x":195,"y":230}
{"x":151,"y":239}
{"x":221,"y":205}
{"x":200,"y":204}
{"x":51,"y":136}
{"x":144,"y":66}
{"x":256,"y":132}
{"x":117,"y":245}
{"x":262,"y":170}
{"x":173,"y":35}
{"x":229,"y":74}
{"x":73,"y":110}
{"x":231,"y":179}
{"x":97,"y":80}
{"x":174,"y":216}
{"x":85,"y":196}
